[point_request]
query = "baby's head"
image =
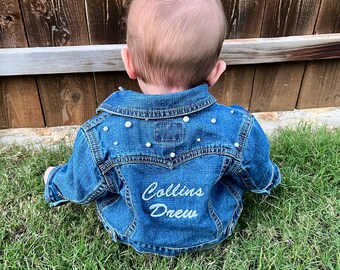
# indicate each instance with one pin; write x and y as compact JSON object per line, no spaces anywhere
{"x":175,"y":43}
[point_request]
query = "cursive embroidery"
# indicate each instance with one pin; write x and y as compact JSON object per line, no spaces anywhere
{"x":161,"y":210}
{"x":151,"y":191}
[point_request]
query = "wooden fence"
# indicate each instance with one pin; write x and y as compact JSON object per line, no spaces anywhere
{"x":63,"y":99}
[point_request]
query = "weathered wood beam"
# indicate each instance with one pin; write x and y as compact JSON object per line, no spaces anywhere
{"x":283,"y":49}
{"x":100,"y":58}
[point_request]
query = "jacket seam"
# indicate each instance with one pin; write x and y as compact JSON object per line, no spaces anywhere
{"x":268,"y":185}
{"x":100,"y":189}
{"x":171,"y":249}
{"x":215,"y":218}
{"x":245,"y":177}
{"x":94,"y":122}
{"x":107,"y":203}
{"x":95,"y":153}
{"x":225,"y":166}
{"x":157,"y":114}
{"x":234,"y":194}
{"x":245,"y":130}
{"x":167,"y":163}
{"x":132,"y":227}
{"x":244,"y":134}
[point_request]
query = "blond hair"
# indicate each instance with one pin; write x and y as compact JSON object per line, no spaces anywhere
{"x":175,"y":42}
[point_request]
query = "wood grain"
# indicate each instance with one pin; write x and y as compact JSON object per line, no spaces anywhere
{"x":107,"y":21}
{"x":68,"y":59}
{"x":61,"y":23}
{"x":329,"y":18}
{"x":289,"y":17}
{"x":12,"y":32}
{"x":244,"y":20}
{"x":277,"y":86}
{"x":110,"y":82}
{"x":19,"y":99}
{"x":68,"y":100}
{"x":107,"y":25}
{"x":71,"y":99}
{"x":22,"y":106}
{"x":229,"y":89}
{"x":321,"y":84}
{"x":55,"y":22}
{"x":98,"y":58}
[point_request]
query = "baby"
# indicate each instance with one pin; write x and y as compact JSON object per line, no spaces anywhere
{"x":167,"y":168}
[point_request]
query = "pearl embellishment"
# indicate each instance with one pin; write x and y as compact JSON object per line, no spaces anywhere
{"x":128,"y":124}
{"x":186,"y":119}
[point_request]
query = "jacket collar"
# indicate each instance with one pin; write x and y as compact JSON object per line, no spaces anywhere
{"x":137,"y":105}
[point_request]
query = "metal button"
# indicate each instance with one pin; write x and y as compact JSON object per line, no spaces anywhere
{"x":232,"y":111}
{"x":172,"y":154}
{"x":213,"y":121}
{"x":199,"y":139}
{"x":105,"y":129}
{"x":237,"y":145}
{"x":115,"y":143}
{"x":148,"y":145}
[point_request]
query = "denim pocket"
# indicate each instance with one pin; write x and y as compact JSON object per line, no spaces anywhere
{"x":169,"y":132}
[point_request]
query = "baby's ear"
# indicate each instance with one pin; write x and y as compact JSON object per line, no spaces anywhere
{"x":216,"y":73}
{"x":126,"y":56}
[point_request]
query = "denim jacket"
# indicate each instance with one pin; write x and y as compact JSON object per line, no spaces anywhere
{"x":167,"y":172}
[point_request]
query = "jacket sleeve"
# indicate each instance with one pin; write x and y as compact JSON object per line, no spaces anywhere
{"x":79,"y":180}
{"x":258,"y":173}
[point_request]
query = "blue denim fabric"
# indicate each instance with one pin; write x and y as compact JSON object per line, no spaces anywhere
{"x":167,"y":171}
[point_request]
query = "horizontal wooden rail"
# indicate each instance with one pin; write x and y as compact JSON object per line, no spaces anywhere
{"x":99,"y":58}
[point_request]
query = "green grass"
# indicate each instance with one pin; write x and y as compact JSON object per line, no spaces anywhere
{"x":297,"y":227}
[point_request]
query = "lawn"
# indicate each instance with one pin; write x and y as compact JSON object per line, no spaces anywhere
{"x":296,"y":227}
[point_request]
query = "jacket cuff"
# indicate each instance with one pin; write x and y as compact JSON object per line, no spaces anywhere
{"x":273,"y":183}
{"x":52,"y":196}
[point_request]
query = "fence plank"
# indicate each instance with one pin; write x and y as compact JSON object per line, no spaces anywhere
{"x":107,"y":21}
{"x":22,"y":105}
{"x":244,"y":20}
{"x":109,"y":82}
{"x":107,"y":25}
{"x":277,"y":86}
{"x":321,"y":84}
{"x":98,"y":58}
{"x":234,"y":86}
{"x":61,"y":23}
{"x":329,"y":17}
{"x":55,"y":23}
{"x":68,"y":100}
{"x":19,"y":99}
{"x":12,"y":32}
